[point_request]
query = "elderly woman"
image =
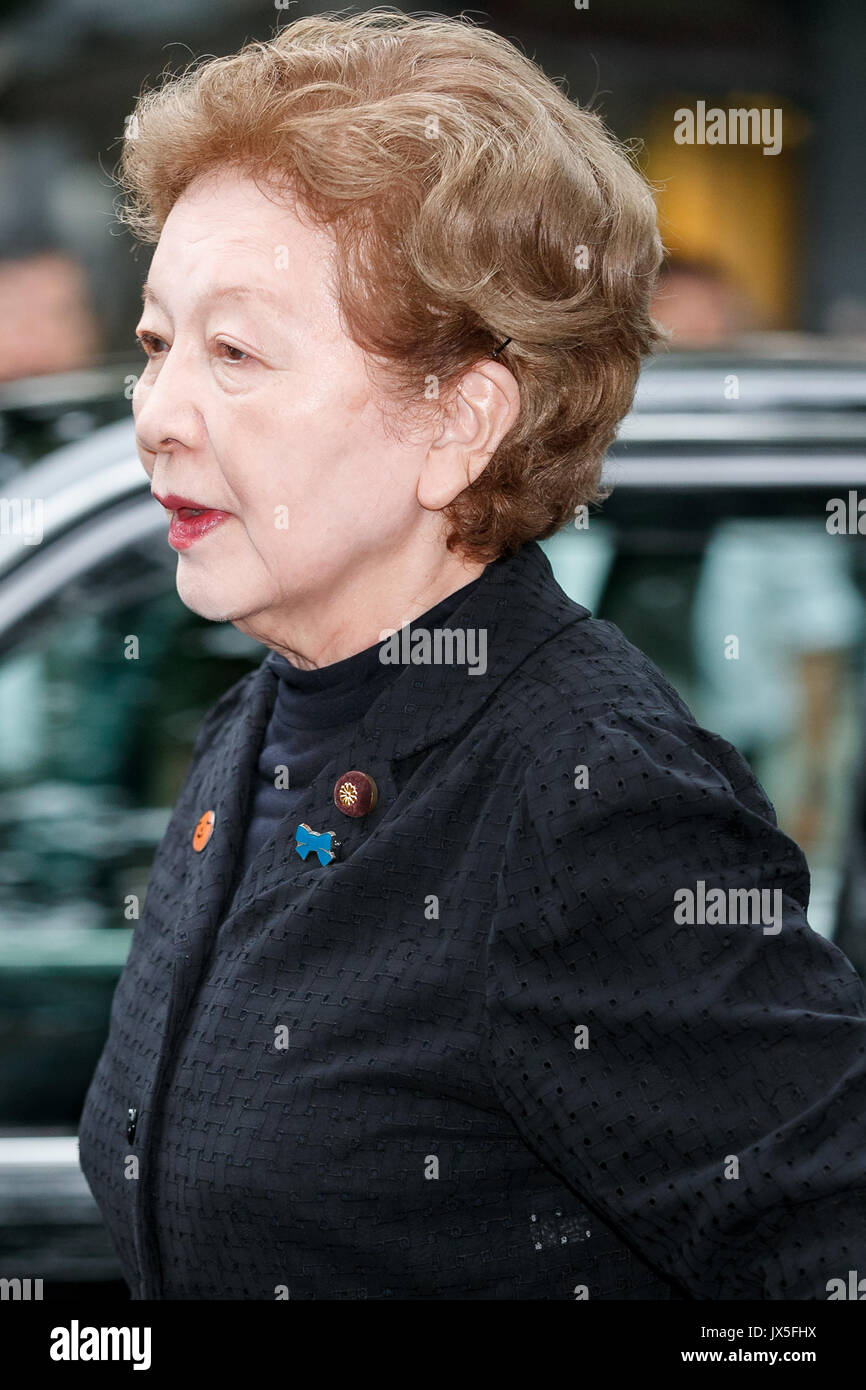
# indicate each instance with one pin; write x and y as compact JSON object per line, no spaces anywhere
{"x":470,"y":966}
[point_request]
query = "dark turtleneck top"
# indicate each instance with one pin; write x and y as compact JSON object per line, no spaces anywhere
{"x":314,"y":714}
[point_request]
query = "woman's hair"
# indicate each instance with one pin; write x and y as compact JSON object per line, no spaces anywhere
{"x":471,"y":201}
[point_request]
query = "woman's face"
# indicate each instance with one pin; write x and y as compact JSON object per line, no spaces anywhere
{"x":254,"y":402}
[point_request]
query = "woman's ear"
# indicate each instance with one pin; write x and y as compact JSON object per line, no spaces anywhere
{"x":482,"y":409}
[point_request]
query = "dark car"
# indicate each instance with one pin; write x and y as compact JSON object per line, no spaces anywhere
{"x":720,"y":554}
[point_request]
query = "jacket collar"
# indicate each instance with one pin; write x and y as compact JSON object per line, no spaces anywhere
{"x":516,"y":606}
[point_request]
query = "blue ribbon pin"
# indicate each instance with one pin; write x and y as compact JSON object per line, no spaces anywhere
{"x":323,"y":845}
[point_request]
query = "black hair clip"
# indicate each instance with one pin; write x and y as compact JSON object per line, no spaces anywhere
{"x":501,"y":346}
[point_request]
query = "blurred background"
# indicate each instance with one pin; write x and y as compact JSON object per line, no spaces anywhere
{"x":760,"y":242}
{"x":730,"y":551}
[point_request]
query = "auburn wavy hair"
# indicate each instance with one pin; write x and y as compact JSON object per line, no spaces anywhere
{"x":470,"y":201}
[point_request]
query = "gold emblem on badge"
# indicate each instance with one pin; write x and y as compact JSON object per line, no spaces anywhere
{"x":355,"y":793}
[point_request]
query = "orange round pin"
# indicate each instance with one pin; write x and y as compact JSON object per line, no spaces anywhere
{"x":203,"y":831}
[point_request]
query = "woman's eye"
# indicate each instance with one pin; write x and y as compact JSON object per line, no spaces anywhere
{"x":151,"y":344}
{"x":232,"y":353}
{"x":155,"y":347}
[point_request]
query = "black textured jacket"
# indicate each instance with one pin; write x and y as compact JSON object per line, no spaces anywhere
{"x":480,"y":1054}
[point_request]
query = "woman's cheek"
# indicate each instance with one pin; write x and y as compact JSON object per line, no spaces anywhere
{"x":268,"y":523}
{"x":139,"y":393}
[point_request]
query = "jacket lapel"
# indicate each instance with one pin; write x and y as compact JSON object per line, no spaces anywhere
{"x":222,"y":782}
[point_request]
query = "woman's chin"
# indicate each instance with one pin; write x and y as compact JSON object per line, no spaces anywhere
{"x":218,"y":603}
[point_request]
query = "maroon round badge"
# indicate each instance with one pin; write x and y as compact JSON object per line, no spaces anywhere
{"x":355,"y":793}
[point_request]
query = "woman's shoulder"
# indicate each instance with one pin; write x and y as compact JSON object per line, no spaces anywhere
{"x":588,"y":675}
{"x":609,"y":662}
{"x":591,"y":705}
{"x":617,"y":773}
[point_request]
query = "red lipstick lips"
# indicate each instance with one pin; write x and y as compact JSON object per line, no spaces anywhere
{"x":190,"y":520}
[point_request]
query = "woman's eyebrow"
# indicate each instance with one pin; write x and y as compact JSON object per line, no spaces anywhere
{"x":221,"y":292}
{"x":148,"y":296}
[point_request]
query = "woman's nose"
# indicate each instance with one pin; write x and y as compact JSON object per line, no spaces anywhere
{"x":166,"y":409}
